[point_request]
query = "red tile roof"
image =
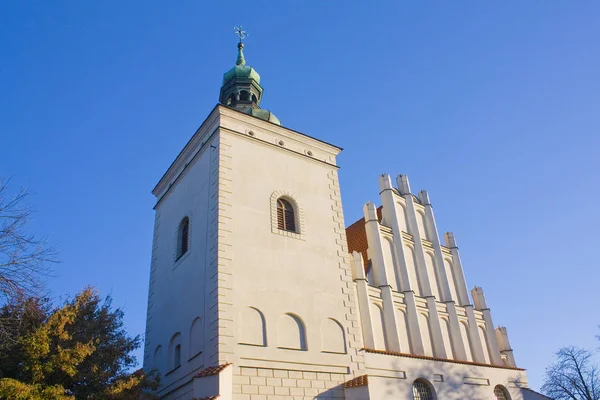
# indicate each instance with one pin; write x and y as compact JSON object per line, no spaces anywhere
{"x":211,"y":371}
{"x":362,"y":380}
{"x":392,"y":353}
{"x":356,"y":236}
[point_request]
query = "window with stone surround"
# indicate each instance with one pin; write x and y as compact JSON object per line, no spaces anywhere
{"x":287,"y":218}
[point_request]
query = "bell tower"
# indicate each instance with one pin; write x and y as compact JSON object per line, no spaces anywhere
{"x":250,"y":267}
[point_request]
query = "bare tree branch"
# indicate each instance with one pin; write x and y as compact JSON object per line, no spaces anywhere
{"x":25,"y":261}
{"x":573,"y":377}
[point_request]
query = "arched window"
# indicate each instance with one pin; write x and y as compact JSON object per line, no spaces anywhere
{"x":254,"y":99}
{"x":230,"y":99}
{"x":500,"y":393}
{"x":244,"y":95}
{"x":286,"y":219}
{"x":422,"y":390}
{"x":183,"y":237}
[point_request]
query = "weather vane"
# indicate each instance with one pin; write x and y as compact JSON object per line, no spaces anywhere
{"x":240,"y":32}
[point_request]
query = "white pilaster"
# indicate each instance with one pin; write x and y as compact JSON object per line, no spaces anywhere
{"x":504,"y":344}
{"x":364,"y":306}
{"x":414,"y":330}
{"x":458,"y":345}
{"x":443,"y":284}
{"x":392,"y":215}
{"x":413,"y":229}
{"x":424,"y":279}
{"x":476,"y":345}
{"x":457,"y":270}
{"x":481,"y":305}
{"x":439,"y":350}
{"x":375,"y":241}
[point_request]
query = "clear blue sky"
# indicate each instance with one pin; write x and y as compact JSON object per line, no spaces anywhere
{"x":491,"y":106}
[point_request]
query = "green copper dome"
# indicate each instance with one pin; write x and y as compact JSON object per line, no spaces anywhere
{"x":241,"y":89}
{"x":241,"y":70}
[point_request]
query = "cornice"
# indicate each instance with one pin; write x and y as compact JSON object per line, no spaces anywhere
{"x":395,"y":354}
{"x":204,"y":132}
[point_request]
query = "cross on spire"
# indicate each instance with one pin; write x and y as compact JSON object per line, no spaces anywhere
{"x":240,"y":32}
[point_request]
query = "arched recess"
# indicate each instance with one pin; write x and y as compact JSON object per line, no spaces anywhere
{"x":446,"y":338}
{"x":433,"y":278}
{"x":500,"y":393}
{"x":426,"y":334}
{"x":403,"y":331}
{"x":412,"y":269}
{"x":157,"y":361}
{"x":450,"y":277}
{"x":253,"y":327}
{"x":291,"y":332}
{"x":422,"y":225}
{"x":466,"y":338}
{"x":390,"y":264}
{"x":196,"y":337}
{"x":402,"y":217}
{"x":174,"y":354}
{"x":378,"y":328}
{"x":484,"y":342}
{"x":333,"y":339}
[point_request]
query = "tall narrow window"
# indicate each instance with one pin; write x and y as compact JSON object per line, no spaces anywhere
{"x":183,"y":237}
{"x":422,"y":390}
{"x":286,"y":219}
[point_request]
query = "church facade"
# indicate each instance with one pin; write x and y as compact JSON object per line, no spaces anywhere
{"x":258,"y":291}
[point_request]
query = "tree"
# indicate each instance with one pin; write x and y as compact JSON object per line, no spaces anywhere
{"x":78,"y":351}
{"x":20,"y":317}
{"x":24,"y":259}
{"x":574,"y":376}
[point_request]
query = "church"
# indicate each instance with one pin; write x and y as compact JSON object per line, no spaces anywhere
{"x":260,"y":291}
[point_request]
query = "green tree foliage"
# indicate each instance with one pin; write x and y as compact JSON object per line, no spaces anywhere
{"x":78,"y":351}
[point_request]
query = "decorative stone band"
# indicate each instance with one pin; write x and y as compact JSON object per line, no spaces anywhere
{"x":211,"y":371}
{"x":362,"y":380}
{"x":392,"y":353}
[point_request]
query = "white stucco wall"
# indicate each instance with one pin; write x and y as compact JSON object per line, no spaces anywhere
{"x":392,"y":378}
{"x":177,"y":301}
